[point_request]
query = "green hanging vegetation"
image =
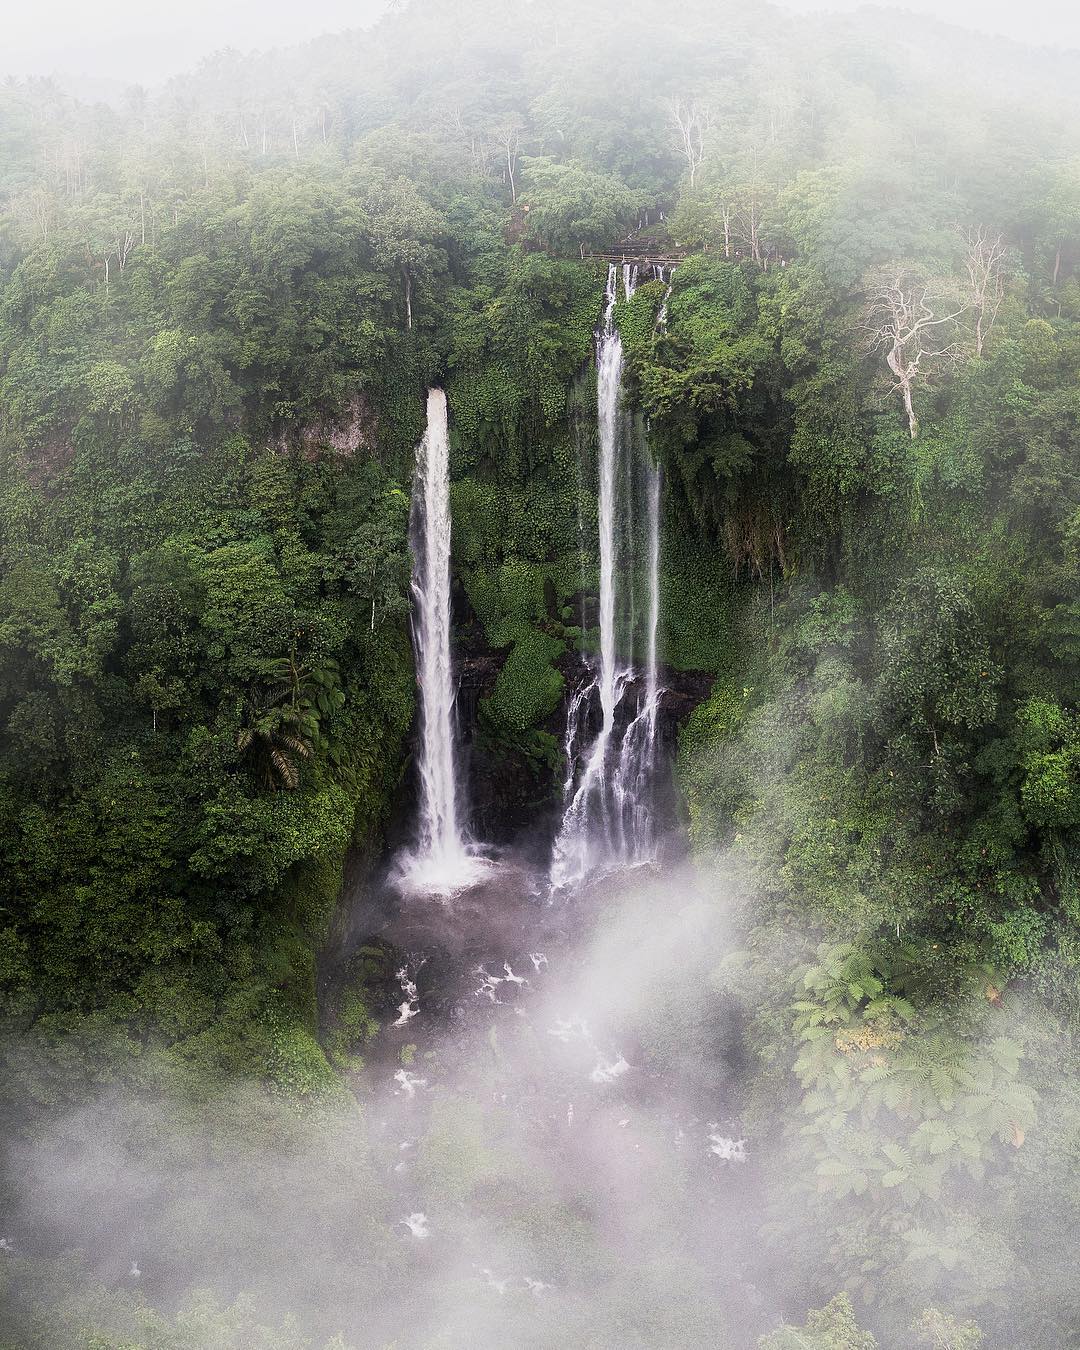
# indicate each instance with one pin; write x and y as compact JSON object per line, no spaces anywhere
{"x":221,"y":305}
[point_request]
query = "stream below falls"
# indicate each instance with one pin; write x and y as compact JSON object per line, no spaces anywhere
{"x":552,"y":1100}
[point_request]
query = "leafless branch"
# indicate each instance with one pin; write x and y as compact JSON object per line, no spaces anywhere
{"x":691,"y":121}
{"x":903,"y":319}
{"x":984,"y":261}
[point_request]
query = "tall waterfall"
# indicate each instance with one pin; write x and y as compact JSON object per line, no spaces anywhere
{"x":444,"y":860}
{"x":608,"y":815}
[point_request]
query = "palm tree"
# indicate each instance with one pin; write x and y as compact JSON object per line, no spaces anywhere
{"x":276,"y":742}
{"x":284,"y":716}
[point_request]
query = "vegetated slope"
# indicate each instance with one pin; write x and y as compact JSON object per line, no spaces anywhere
{"x":220,"y":308}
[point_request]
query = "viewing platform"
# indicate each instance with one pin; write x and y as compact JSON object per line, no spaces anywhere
{"x":666,"y":258}
{"x":640,"y":249}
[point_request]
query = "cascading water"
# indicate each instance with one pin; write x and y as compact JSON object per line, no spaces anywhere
{"x":661,"y":274}
{"x":444,"y":860}
{"x":633,"y":783}
{"x":608,"y":815}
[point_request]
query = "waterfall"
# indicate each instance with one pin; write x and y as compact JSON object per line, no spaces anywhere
{"x":444,"y":860}
{"x":608,"y":815}
{"x":635,"y":771}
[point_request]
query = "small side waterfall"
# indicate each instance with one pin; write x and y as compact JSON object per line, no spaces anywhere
{"x":444,"y":860}
{"x":662,"y":313}
{"x":608,"y":815}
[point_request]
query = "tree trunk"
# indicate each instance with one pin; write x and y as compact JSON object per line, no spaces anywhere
{"x":899,"y":367}
{"x":913,"y":421}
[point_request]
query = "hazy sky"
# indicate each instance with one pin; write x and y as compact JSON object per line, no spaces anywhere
{"x":148,"y":40}
{"x":1051,"y":23}
{"x":142,"y":41}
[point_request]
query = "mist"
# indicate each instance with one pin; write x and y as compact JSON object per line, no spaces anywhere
{"x":539,"y":676}
{"x":562,"y":1148}
{"x":123,"y":44}
{"x":119,"y":43}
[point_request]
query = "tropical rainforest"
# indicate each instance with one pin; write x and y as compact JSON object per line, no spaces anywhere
{"x":222,"y":304}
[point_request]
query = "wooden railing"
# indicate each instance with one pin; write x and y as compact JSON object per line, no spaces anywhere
{"x":667,"y":258}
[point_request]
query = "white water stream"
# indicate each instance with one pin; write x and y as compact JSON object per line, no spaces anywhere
{"x":444,"y":860}
{"x":608,"y":815}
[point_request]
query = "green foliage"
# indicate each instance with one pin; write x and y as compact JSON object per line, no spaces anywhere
{"x":945,"y":1332}
{"x":698,"y":604}
{"x":914,"y":1110}
{"x":935,"y":661}
{"x":296,"y":1064}
{"x":191,"y":739}
{"x":508,"y":600}
{"x":830,"y":1328}
{"x":528,"y":688}
{"x":1050,"y":741}
{"x":712,"y":332}
{"x":217,"y":322}
{"x":707,"y":774}
{"x":515,"y":342}
{"x":572,"y":206}
{"x":352,"y":1021}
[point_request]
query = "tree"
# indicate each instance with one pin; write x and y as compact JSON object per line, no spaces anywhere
{"x":984,"y":261}
{"x":372,"y":562}
{"x":691,"y":121}
{"x":904,"y":319}
{"x":275,"y":741}
{"x":941,"y":1331}
{"x":284,"y":718}
{"x":508,"y":137}
{"x":1058,"y":214}
{"x":404,"y":229}
{"x":747,"y":198}
{"x":572,"y":206}
{"x":703,"y":218}
{"x":830,"y":1328}
{"x":937,"y":668}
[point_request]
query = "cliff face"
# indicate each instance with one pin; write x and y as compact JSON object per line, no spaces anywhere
{"x":349,"y":430}
{"x":515,"y":789}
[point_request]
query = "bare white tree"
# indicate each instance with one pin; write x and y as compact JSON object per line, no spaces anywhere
{"x":297,"y":112}
{"x":909,"y":320}
{"x":144,"y":201}
{"x":690,"y":124}
{"x":508,"y":135}
{"x":725,"y":217}
{"x":37,"y":209}
{"x":125,"y":242}
{"x":985,"y":263}
{"x":748,"y":216}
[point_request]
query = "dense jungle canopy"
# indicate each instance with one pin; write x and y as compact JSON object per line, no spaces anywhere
{"x":221,"y":305}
